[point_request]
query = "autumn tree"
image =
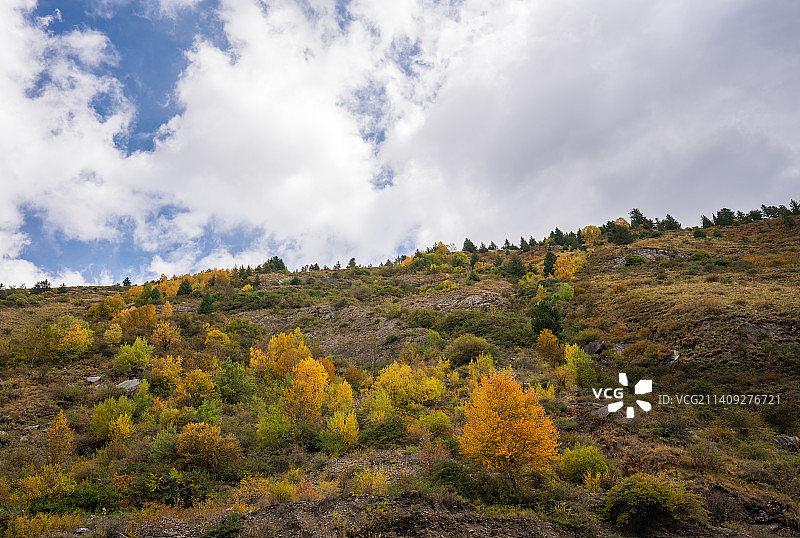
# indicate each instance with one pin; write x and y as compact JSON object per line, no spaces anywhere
{"x":59,"y":439}
{"x":590,"y":233}
{"x":548,"y":346}
{"x":166,"y":336}
{"x":284,"y":351}
{"x":507,"y":429}
{"x":203,"y":445}
{"x":306,"y":394}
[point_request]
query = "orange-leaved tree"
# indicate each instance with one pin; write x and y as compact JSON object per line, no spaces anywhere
{"x":507,"y":429}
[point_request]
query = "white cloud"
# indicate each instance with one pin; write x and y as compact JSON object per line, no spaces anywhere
{"x":501,"y":119}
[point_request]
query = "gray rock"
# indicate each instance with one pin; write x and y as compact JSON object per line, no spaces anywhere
{"x":82,"y":530}
{"x":33,"y":427}
{"x":129,"y":385}
{"x":595,"y":347}
{"x":619,"y":348}
{"x":93,"y":379}
{"x":672,"y":359}
{"x":791,"y":442}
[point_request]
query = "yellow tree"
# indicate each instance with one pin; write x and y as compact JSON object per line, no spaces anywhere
{"x":306,"y":394}
{"x":165,"y":336}
{"x":59,"y":439}
{"x":548,"y":346}
{"x":507,"y":429}
{"x":590,"y":233}
{"x":284,"y":351}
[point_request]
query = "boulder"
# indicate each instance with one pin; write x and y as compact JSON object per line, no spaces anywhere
{"x":129,"y":385}
{"x":595,"y":347}
{"x":792,"y":442}
{"x":619,"y":348}
{"x":672,"y":359}
{"x":93,"y":379}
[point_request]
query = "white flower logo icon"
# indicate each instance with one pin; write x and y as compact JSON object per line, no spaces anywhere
{"x":644,"y":386}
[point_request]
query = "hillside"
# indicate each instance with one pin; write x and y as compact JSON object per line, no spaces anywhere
{"x":336,"y":402}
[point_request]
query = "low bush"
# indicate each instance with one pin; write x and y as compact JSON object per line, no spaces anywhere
{"x":644,"y":501}
{"x":465,"y":348}
{"x":581,"y":460}
{"x":633,"y":260}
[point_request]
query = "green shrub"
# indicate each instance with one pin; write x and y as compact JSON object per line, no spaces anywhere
{"x":389,"y":432}
{"x":577,"y":462}
{"x":132,"y":356}
{"x":588,"y":335}
{"x":436,"y":422}
{"x":699,"y":234}
{"x":95,"y":497}
{"x":565,"y":293}
{"x":108,"y":412}
{"x":274,"y":428}
{"x":465,"y":348}
{"x":423,"y":317}
{"x":700,"y":255}
{"x":164,"y":448}
{"x":644,"y":501}
{"x":632,"y":260}
{"x":234,"y":383}
{"x":230,"y":527}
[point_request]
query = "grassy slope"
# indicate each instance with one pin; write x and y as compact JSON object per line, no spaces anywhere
{"x":733,"y":317}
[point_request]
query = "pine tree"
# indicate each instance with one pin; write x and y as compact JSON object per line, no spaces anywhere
{"x":206,"y":305}
{"x":523,"y":245}
{"x":469,"y":246}
{"x":549,"y":263}
{"x":185,"y":288}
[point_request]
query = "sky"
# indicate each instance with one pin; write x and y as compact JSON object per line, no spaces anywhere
{"x":149,"y":137}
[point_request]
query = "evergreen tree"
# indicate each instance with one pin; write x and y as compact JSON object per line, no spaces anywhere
{"x":206,"y":305}
{"x":724,"y":217}
{"x":469,"y":246}
{"x":185,"y":288}
{"x":474,"y":259}
{"x":549,"y":262}
{"x":707,"y":223}
{"x":523,"y":245}
{"x":795,"y":207}
{"x":546,"y":316}
{"x":351,"y":263}
{"x":513,"y":266}
{"x":507,"y":245}
{"x":620,"y":235}
{"x":483,"y":249}
{"x":669,"y":223}
{"x":492,"y":246}
{"x":557,"y":237}
{"x":337,"y":266}
{"x":127,"y":282}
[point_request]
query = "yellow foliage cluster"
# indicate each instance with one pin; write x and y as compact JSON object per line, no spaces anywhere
{"x":507,"y":428}
{"x":548,"y":346}
{"x":480,"y":366}
{"x":622,"y":222}
{"x":204,"y":445}
{"x":165,"y":336}
{"x":50,"y":483}
{"x":193,"y":388}
{"x":306,"y":394}
{"x":217,"y":341}
{"x":113,"y":334}
{"x":590,"y":233}
{"x":120,"y":429}
{"x":59,"y":439}
{"x":339,"y":397}
{"x":164,"y":372}
{"x":43,"y":524}
{"x":566,"y":266}
{"x":343,"y":427}
{"x":404,"y":385}
{"x":284,"y":351}
{"x":368,"y":482}
{"x":141,"y":320}
{"x":75,"y":340}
